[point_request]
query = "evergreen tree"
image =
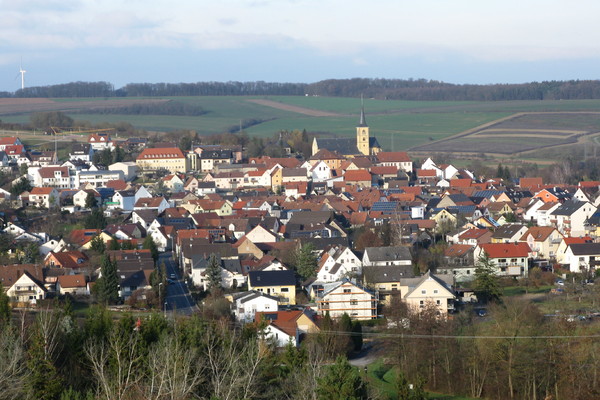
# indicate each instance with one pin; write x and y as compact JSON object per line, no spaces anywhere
{"x":341,"y":381}
{"x":91,"y":201}
{"x":4,"y":308}
{"x":98,"y":245}
{"x":113,"y":244}
{"x":108,"y":285}
{"x":500,"y":172}
{"x":213,"y":273}
{"x":402,"y":387}
{"x":486,"y":285}
{"x":306,"y":261}
{"x":357,"y":335}
{"x":150,"y":245}
{"x":96,"y":220}
{"x":22,"y":185}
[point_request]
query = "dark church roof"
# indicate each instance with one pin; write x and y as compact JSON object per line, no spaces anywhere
{"x":343,"y":146}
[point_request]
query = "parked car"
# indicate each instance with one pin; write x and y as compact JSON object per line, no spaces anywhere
{"x":560,"y":282}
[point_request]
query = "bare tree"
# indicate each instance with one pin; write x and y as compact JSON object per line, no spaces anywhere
{"x":174,"y":371}
{"x":115,"y":365}
{"x":233,"y":365}
{"x":13,"y":368}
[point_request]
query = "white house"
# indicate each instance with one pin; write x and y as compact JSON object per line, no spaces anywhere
{"x":345,"y":297}
{"x":246,"y":304}
{"x":569,"y":218}
{"x":259,"y":234}
{"x":337,"y":263}
{"x":430,"y":290}
{"x":75,"y":285}
{"x":26,"y":290}
{"x":44,"y":197}
{"x":392,"y":255}
{"x":98,"y":178}
{"x":582,"y":256}
{"x":123,"y":200}
{"x":128,"y":168}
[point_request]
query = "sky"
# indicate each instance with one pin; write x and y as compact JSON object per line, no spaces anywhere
{"x":455,"y":41}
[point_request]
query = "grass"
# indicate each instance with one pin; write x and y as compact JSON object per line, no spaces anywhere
{"x":397,"y":124}
{"x":383,"y":377}
{"x":520,"y":290}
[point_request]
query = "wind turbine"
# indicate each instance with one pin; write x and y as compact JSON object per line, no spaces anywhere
{"x":22,"y":72}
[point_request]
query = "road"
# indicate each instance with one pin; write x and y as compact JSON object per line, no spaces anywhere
{"x":178,"y":298}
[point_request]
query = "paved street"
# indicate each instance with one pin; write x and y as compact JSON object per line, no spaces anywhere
{"x":178,"y":297}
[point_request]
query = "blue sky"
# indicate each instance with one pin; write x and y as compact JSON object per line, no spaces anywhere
{"x":457,"y":41}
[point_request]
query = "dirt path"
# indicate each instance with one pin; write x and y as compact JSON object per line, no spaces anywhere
{"x":300,"y":110}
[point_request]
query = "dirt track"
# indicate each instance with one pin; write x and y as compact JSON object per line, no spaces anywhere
{"x":300,"y":110}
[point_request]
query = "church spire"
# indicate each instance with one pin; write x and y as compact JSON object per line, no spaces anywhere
{"x":362,"y":121}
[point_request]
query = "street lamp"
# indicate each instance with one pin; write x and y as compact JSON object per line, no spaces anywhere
{"x":160,"y":292}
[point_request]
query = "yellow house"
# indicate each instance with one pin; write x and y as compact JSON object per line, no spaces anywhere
{"x":279,"y":283}
{"x":387,"y":280}
{"x":427,"y":291}
{"x":276,"y":179}
{"x":171,"y":159}
{"x":444,"y":218}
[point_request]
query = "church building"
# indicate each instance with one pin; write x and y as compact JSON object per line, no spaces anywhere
{"x":363,"y":145}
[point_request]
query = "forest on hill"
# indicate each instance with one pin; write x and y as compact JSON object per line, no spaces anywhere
{"x":392,"y":89}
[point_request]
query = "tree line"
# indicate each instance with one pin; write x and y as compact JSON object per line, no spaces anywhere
{"x":397,"y":89}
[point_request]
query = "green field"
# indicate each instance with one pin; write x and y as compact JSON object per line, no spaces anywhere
{"x":398,"y":125}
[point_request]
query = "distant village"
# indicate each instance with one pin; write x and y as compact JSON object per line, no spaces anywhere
{"x":361,"y":215}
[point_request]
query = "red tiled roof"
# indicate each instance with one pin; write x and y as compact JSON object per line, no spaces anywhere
{"x":41,"y":191}
{"x":391,"y":170}
{"x":284,"y":320}
{"x":161,"y":153}
{"x":426,"y":173}
{"x":589,"y":184}
{"x":531,"y":182}
{"x":357,"y":176}
{"x":457,"y":250}
{"x":393,"y":156}
{"x":460,"y":183}
{"x":117,"y":184}
{"x":48,"y":172}
{"x":7,"y":141}
{"x":501,"y":250}
{"x":72,"y":281}
{"x":577,"y":240}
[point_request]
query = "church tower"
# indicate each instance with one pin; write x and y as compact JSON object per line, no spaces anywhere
{"x":362,"y":132}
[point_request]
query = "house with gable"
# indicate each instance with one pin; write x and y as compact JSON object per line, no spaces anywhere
{"x":398,"y":159}
{"x":286,"y":326}
{"x":430,"y":290}
{"x":510,"y":259}
{"x":346,"y":297}
{"x":23,"y":283}
{"x":247,"y":304}
{"x":337,"y":263}
{"x":280,"y":284}
{"x":582,"y":257}
{"x":387,"y":255}
{"x":569,"y":218}
{"x":543,"y":241}
{"x":458,"y":263}
{"x":44,"y":197}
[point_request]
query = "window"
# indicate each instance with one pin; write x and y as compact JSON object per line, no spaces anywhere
{"x":423,"y":291}
{"x":285,"y":289}
{"x":421,"y":304}
{"x":353,"y":302}
{"x":347,"y":290}
{"x":435,"y":291}
{"x":438,"y":302}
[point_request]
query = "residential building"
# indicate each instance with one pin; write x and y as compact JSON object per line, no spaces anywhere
{"x":281,"y":284}
{"x":345,"y":297}
{"x":169,"y":159}
{"x":430,"y":291}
